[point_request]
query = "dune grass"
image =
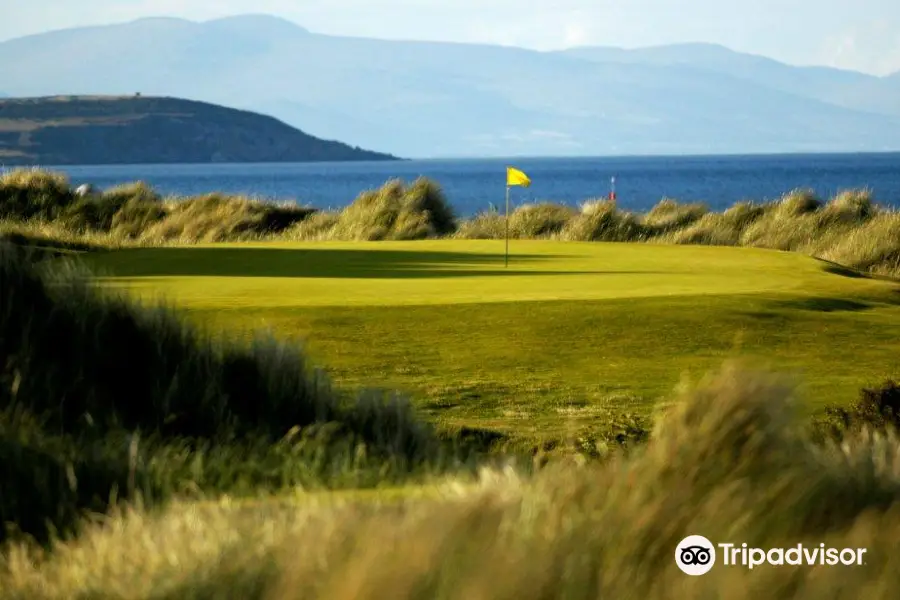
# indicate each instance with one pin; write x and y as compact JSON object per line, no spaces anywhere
{"x":568,"y":335}
{"x":728,"y":459}
{"x":850,"y":228}
{"x":101,"y":398}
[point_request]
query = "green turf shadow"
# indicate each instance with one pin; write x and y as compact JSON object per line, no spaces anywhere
{"x":321,"y":263}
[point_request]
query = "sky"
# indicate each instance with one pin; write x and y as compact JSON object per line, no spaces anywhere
{"x":862,"y":35}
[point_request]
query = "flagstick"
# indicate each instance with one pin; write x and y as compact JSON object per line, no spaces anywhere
{"x":506,"y":256}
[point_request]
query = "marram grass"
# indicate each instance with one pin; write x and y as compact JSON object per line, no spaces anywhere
{"x":850,"y":229}
{"x":728,"y":459}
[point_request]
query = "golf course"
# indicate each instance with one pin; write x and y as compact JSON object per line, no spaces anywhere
{"x":217,"y":397}
{"x":564,"y":333}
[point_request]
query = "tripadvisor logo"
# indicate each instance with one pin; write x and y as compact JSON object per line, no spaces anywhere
{"x":696,"y":555}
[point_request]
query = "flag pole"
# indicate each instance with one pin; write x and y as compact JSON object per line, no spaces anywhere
{"x":506,"y":256}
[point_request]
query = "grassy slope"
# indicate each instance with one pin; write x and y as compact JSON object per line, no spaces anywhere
{"x":725,"y":462}
{"x":607,"y":326}
{"x":145,"y":129}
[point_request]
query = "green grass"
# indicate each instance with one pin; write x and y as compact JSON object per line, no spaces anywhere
{"x":570,"y":332}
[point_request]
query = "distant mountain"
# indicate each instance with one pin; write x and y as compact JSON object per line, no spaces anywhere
{"x":848,"y":89}
{"x":97,"y":130}
{"x":429,"y":99}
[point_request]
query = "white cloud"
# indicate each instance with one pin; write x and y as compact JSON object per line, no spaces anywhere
{"x":873,"y":47}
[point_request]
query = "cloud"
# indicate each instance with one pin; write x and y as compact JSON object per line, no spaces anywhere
{"x":873,"y":47}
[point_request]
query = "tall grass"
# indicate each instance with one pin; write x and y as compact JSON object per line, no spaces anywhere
{"x":98,"y":394}
{"x":728,"y":459}
{"x":850,"y":228}
{"x":393,"y":212}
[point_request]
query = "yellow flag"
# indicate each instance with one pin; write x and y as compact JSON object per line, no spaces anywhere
{"x":516,"y":177}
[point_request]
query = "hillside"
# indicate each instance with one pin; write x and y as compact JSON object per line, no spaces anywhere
{"x":66,"y":130}
{"x":848,"y":89}
{"x":428,"y":99}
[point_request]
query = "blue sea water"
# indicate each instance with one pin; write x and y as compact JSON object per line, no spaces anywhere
{"x":472,"y":185}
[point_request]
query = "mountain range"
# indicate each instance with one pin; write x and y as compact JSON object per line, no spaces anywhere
{"x":429,"y":99}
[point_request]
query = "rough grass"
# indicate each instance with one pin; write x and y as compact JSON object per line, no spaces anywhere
{"x":34,"y":201}
{"x":727,"y":459}
{"x":99,"y":394}
{"x":850,"y":229}
{"x":393,"y":212}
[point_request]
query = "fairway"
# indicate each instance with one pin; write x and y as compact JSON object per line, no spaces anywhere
{"x":568,"y":332}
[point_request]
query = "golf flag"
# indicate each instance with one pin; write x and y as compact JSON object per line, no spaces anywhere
{"x":516,"y":177}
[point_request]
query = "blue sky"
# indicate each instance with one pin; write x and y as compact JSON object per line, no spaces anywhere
{"x":854,"y":34}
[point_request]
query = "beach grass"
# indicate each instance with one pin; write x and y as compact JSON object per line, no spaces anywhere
{"x":728,"y":460}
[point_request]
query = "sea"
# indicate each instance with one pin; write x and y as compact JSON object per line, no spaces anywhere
{"x":475,"y":185}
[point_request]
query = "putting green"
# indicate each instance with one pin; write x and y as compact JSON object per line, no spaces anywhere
{"x":456,"y":272}
{"x":566,"y":333}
